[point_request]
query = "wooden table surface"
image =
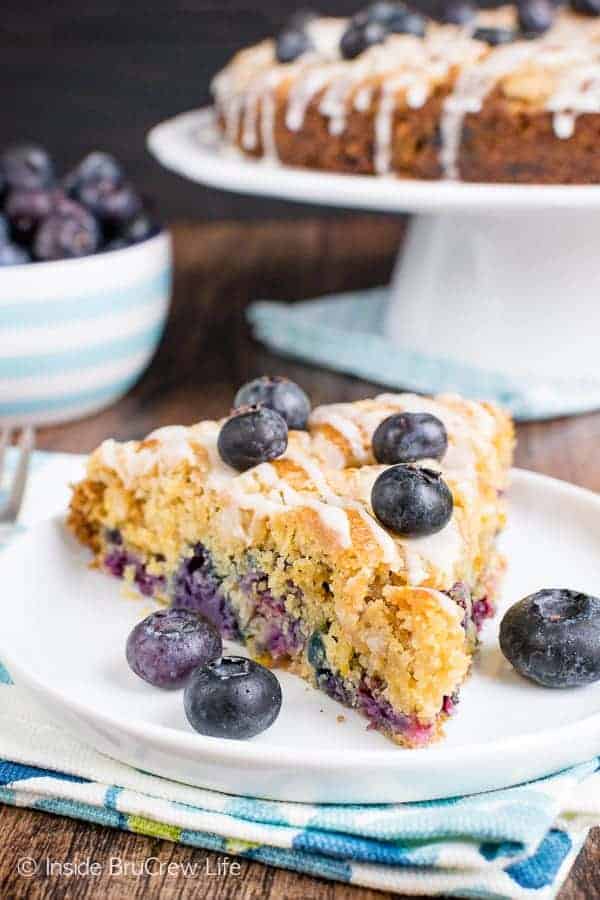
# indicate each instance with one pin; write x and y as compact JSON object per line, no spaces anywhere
{"x":205,"y":355}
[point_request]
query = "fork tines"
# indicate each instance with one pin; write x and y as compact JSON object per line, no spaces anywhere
{"x":9,"y":509}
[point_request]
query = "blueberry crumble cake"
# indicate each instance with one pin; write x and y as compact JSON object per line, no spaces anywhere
{"x":355,"y":544}
{"x":510,"y":94}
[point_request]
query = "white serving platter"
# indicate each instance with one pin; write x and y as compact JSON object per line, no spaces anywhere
{"x":63,"y":634}
{"x":191,"y":145}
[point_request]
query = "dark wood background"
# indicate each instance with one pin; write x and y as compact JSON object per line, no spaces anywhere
{"x":79,"y":75}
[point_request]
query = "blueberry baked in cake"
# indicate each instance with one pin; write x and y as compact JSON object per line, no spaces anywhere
{"x":503,"y":95}
{"x":354,"y":544}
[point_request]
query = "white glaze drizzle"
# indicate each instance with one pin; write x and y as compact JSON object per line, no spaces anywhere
{"x":263,"y":492}
{"x":342,"y":419}
{"x":568,"y":55}
{"x":403,"y":70}
{"x":471,"y":88}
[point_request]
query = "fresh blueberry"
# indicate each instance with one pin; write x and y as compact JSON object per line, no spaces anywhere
{"x":114,"y":205}
{"x":381,"y":12}
{"x":586,"y":7}
{"x":300,"y":19}
{"x":26,"y":209}
{"x":392,"y":18}
{"x":27,"y":167}
{"x":535,"y":16}
{"x":280,"y":394}
{"x":457,"y":12}
{"x":115,"y":244}
{"x":65,"y":206}
{"x":553,"y":637}
{"x":412,"y":501}
{"x":234,"y":698}
{"x":4,"y":229}
{"x":407,"y":437}
{"x":13,"y":255}
{"x":315,"y":651}
{"x":291,"y":44}
{"x":66,"y":234}
{"x":94,"y":167}
{"x":408,"y":22}
{"x":166,"y":647}
{"x":495,"y":36}
{"x":139,"y":229}
{"x":358,"y":38}
{"x":255,"y":434}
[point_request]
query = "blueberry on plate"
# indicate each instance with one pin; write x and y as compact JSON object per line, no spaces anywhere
{"x":26,"y":209}
{"x":358,"y":38}
{"x":291,"y":44}
{"x":66,"y":234}
{"x":27,"y":167}
{"x":13,"y":255}
{"x":411,"y":501}
{"x":166,"y":647}
{"x":234,"y":698}
{"x":553,"y":637}
{"x":408,"y":437}
{"x":495,"y":36}
{"x":255,"y":434}
{"x":535,"y":16}
{"x":278,"y":393}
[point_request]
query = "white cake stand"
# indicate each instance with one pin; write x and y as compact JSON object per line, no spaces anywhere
{"x":501,"y":278}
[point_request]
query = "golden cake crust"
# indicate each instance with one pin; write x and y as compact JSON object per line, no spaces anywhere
{"x":446,"y":105}
{"x":305,"y":520}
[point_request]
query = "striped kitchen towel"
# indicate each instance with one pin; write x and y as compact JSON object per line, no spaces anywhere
{"x":345,"y":332}
{"x":515,"y":843}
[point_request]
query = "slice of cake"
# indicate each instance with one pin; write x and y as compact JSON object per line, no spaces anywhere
{"x":291,"y":557}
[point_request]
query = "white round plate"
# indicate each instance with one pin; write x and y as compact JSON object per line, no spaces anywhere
{"x":64,"y":629}
{"x":190,"y":145}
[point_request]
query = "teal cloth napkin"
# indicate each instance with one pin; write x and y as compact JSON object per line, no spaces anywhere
{"x":345,"y":332}
{"x":516,"y":843}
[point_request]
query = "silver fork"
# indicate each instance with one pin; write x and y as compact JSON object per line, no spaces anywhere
{"x":9,"y":510}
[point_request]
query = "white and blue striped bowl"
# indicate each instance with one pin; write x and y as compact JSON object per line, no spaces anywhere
{"x":76,"y":334}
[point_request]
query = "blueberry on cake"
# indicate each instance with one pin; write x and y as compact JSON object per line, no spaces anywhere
{"x":354,"y":544}
{"x":503,"y":95}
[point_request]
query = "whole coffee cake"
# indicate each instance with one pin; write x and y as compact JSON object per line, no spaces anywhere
{"x":504,"y":95}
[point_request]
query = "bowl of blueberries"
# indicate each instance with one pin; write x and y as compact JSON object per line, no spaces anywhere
{"x":85,"y":280}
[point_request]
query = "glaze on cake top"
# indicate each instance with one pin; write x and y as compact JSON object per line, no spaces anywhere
{"x":557,"y":72}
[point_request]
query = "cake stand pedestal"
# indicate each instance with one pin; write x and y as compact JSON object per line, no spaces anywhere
{"x":502,"y":291}
{"x":499,"y":278}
